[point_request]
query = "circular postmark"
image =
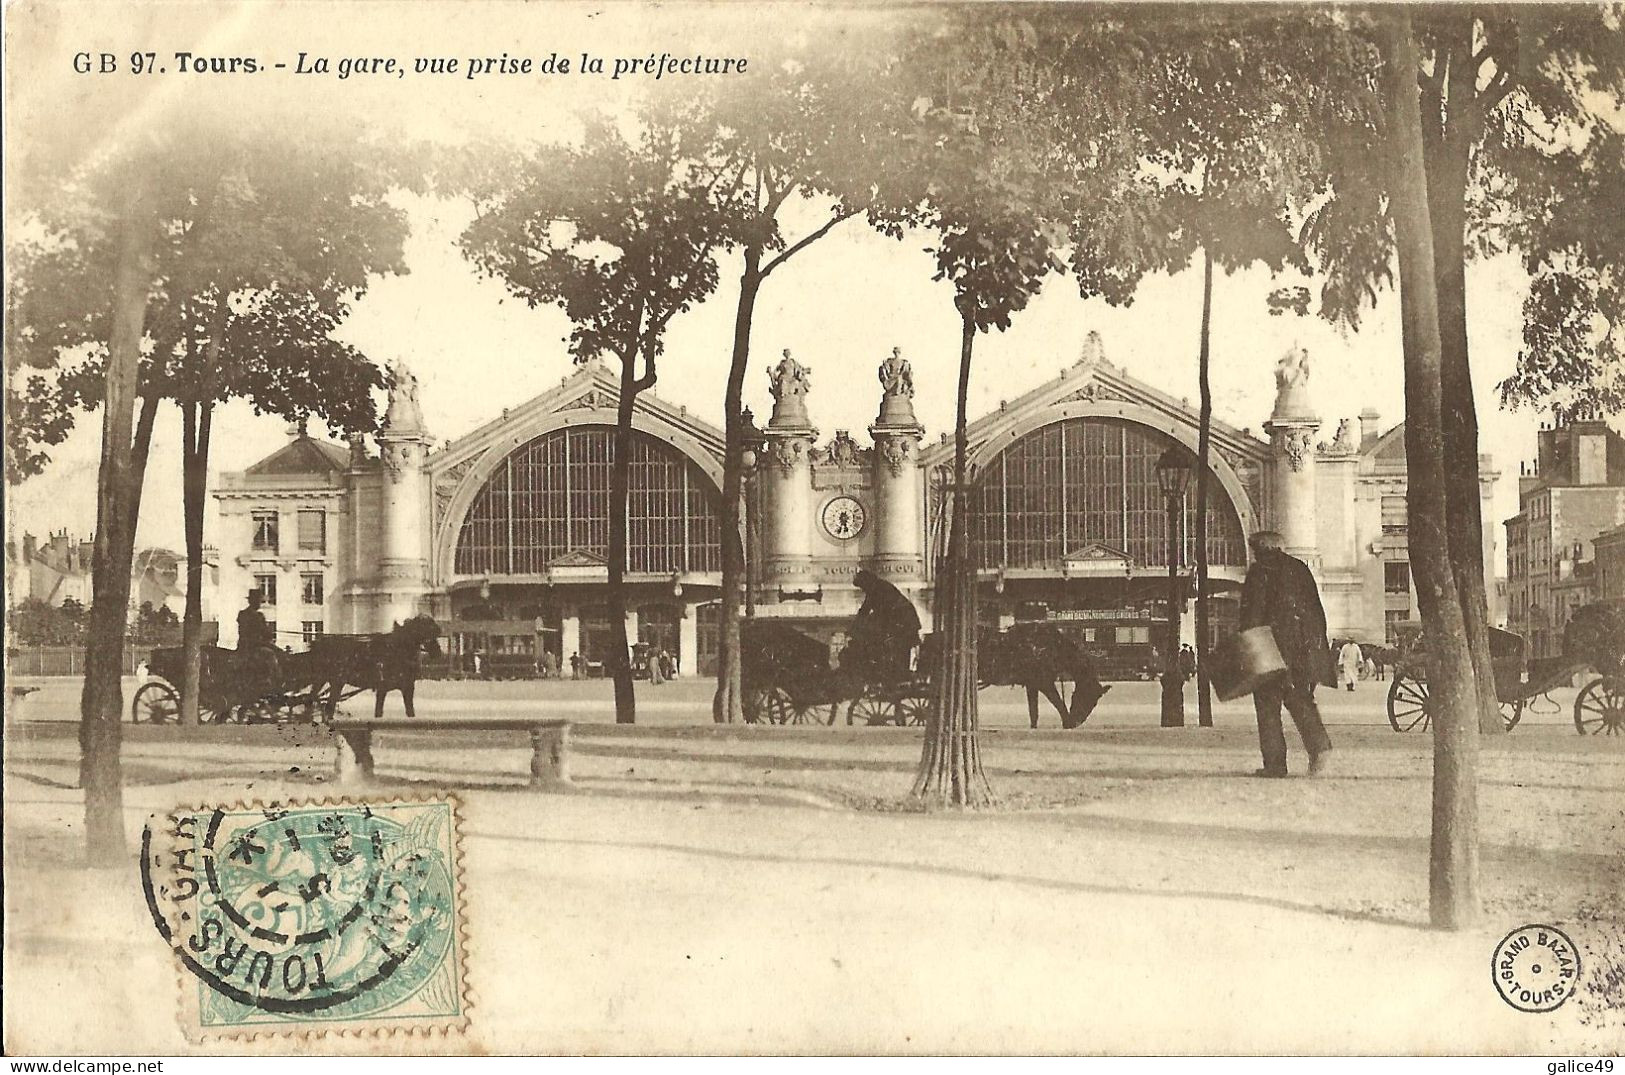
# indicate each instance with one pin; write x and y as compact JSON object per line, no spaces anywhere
{"x":1536,"y":968}
{"x":334,"y":910}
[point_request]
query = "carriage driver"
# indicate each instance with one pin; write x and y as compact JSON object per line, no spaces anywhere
{"x":253,"y":632}
{"x":885,"y":632}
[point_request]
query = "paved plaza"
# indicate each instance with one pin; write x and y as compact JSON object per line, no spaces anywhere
{"x":1136,"y":891}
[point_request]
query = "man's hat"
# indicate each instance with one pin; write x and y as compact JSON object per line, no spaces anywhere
{"x":1266,"y":539}
{"x":255,"y":597}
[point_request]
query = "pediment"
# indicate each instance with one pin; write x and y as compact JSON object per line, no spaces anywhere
{"x":577,"y":558}
{"x":305,"y":455}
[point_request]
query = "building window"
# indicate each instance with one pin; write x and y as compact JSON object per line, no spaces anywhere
{"x":1394,"y":515}
{"x":311,"y":630}
{"x":313,"y":531}
{"x":1396,"y":576}
{"x":310,"y":587}
{"x":265,"y":531}
{"x":266,"y":586}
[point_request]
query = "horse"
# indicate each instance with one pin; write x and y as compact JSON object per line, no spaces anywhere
{"x":1039,"y":657}
{"x":379,"y":662}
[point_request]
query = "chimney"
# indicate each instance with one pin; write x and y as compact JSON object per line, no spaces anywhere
{"x":1590,"y":453}
{"x":1368,"y":427}
{"x":28,"y":548}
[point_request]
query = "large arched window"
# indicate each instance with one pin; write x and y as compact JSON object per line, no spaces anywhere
{"x":551,"y":497}
{"x":1089,"y":480}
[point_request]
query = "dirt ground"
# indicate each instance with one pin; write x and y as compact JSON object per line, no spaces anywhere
{"x":747,"y":889}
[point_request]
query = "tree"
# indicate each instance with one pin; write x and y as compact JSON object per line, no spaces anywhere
{"x":989,"y":202}
{"x":1520,"y":152}
{"x":265,"y":245}
{"x":1454,"y":900}
{"x":808,"y":131}
{"x":622,"y":235}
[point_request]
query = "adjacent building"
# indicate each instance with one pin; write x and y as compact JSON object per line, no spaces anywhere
{"x":501,"y":534}
{"x":1574,"y":493}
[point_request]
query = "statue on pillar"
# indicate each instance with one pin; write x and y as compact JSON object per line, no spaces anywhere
{"x":1292,"y":370}
{"x":896,"y":375}
{"x":404,"y":414}
{"x":789,"y":378}
{"x":789,"y":382}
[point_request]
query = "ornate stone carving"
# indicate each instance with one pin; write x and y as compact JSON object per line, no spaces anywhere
{"x":843,"y":450}
{"x":1094,"y":392}
{"x":896,"y":375}
{"x":896,"y":452}
{"x":404,"y":415}
{"x":1343,"y":441}
{"x":1296,"y":443}
{"x":445,"y":486}
{"x":592,"y":399}
{"x":787,"y":452}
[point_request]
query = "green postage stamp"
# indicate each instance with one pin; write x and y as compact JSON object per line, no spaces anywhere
{"x":308,"y":917}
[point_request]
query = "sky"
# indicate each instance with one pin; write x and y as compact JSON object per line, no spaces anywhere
{"x":839,"y":306}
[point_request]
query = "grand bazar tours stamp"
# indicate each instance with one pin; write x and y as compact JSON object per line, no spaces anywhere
{"x":307,"y":917}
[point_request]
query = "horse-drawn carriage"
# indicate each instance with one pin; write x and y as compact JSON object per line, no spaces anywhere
{"x":267,"y":685}
{"x":1594,"y":641}
{"x":789,"y":678}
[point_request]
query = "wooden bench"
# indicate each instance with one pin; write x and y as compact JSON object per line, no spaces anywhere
{"x":549,"y":744}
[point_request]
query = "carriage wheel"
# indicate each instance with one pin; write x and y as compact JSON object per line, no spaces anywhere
{"x":815,"y":714}
{"x":155,"y":703}
{"x":872,"y":709}
{"x":1512,"y":713}
{"x":780,"y":709}
{"x":916,"y":708}
{"x":1601,"y":708}
{"x":1408,"y":703}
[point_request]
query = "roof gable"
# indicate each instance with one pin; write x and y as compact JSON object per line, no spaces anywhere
{"x":303,"y":455}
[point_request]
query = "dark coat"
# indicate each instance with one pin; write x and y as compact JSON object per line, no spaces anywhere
{"x":886,"y":629}
{"x":253,"y":631}
{"x":1280,"y":594}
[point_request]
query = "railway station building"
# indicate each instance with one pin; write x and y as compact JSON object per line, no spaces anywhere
{"x":501,"y":534}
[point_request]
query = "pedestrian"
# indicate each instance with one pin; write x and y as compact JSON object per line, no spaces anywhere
{"x":575,"y":666}
{"x":1280,"y":593}
{"x":550,"y":664}
{"x":142,"y":671}
{"x":1187,"y":662}
{"x":1349,"y":659}
{"x":657,"y":672}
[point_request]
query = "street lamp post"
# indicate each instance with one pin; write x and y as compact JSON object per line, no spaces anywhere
{"x":1173,"y":475}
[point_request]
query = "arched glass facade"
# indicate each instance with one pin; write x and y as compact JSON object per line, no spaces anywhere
{"x":1086,"y":480}
{"x":551,"y":497}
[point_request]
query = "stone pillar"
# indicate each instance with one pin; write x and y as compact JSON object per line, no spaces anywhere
{"x":785,"y":477}
{"x":1291,"y":430}
{"x":569,"y":634}
{"x":898,"y":491}
{"x":403,"y":567}
{"x":688,"y":641}
{"x":631,"y":628}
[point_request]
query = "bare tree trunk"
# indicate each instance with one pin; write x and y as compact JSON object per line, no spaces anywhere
{"x":619,"y":661}
{"x":1446,"y":153}
{"x":1453,"y":889}
{"x":950,"y":772}
{"x":727,"y":706}
{"x":1204,"y":685}
{"x":117,"y":505}
{"x":196,"y":421}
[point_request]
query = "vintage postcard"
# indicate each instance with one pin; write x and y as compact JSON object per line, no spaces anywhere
{"x":814,"y":528}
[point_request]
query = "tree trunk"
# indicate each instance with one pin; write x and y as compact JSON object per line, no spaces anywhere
{"x":727,"y":705}
{"x":950,"y":772}
{"x":619,"y":659}
{"x":1447,"y":155}
{"x":117,"y":505}
{"x":1204,"y":685}
{"x":1453,"y":889}
{"x":196,"y":421}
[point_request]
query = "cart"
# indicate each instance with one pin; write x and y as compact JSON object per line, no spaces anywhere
{"x":788,"y":679}
{"x":255,"y":687}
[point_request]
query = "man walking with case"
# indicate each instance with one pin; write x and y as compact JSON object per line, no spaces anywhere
{"x":1280,"y":594}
